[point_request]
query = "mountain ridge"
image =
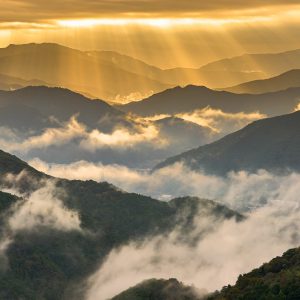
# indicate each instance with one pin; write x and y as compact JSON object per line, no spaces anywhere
{"x":283,"y":81}
{"x":100,"y":78}
{"x":283,"y":62}
{"x":115,"y":77}
{"x":190,"y":98}
{"x":276,"y":142}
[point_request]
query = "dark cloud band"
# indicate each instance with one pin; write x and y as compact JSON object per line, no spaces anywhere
{"x":35,"y":10}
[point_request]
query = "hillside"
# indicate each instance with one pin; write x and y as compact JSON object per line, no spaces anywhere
{"x":278,"y":280}
{"x":275,"y":280}
{"x":282,"y":82}
{"x":187,"y":99}
{"x":61,"y":258}
{"x":272,"y":144}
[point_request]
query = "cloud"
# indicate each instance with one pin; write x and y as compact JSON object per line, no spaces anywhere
{"x":138,"y":142}
{"x":8,"y":134}
{"x":219,"y":121}
{"x":297,"y":108}
{"x":37,"y":10}
{"x":216,"y":260}
{"x":132,"y":96}
{"x":169,"y":180}
{"x":50,"y":136}
{"x":120,"y":138}
{"x":157,"y":117}
{"x":242,"y":191}
{"x":41,"y":209}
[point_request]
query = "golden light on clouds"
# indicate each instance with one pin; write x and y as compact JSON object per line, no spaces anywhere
{"x":160,"y":13}
{"x":156,"y":22}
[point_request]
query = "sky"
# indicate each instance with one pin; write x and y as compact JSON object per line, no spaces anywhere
{"x":161,"y":32}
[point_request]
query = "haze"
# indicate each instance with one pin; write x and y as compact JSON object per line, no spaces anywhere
{"x":163,"y":33}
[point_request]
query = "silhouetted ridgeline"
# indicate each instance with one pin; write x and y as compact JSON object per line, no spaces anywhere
{"x":190,"y":98}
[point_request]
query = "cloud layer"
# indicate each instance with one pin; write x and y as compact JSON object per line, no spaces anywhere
{"x":217,"y":259}
{"x":88,"y":140}
{"x":143,"y":142}
{"x":242,"y":191}
{"x":219,"y":121}
{"x":270,"y":202}
{"x":37,"y":10}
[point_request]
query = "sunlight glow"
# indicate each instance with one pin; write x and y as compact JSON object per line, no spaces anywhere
{"x":155,"y":22}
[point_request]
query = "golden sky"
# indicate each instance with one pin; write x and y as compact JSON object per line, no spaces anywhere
{"x":183,"y":32}
{"x":38,"y":10}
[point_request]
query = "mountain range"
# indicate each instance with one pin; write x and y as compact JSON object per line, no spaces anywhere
{"x":119,"y":78}
{"x":190,"y":98}
{"x":270,"y":64}
{"x":281,"y":82}
{"x":90,"y":73}
{"x":60,"y":260}
{"x":114,"y":112}
{"x":41,"y":112}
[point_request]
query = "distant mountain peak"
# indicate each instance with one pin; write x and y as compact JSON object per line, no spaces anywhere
{"x":40,"y":45}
